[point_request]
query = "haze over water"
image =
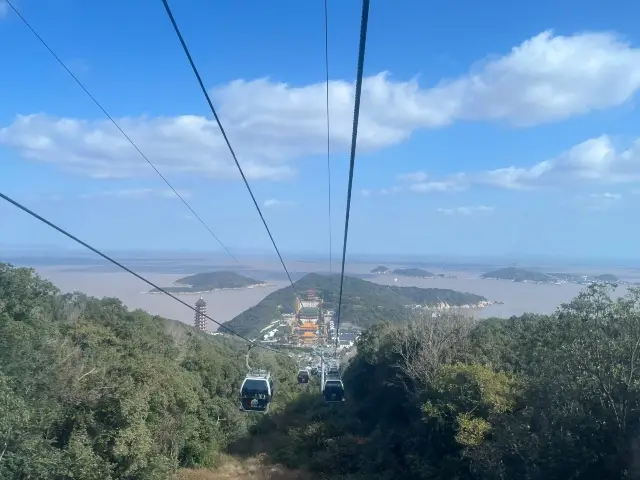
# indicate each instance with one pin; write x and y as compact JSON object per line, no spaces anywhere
{"x":101,"y":280}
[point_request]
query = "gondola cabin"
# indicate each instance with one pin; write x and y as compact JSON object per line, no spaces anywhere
{"x":256,"y":393}
{"x":303,"y":376}
{"x":333,"y":391}
{"x":333,"y":371}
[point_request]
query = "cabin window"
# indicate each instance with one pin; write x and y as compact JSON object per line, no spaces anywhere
{"x":254,"y":386}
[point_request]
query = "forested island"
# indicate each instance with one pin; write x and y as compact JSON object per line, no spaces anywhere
{"x":363,"y":303}
{"x":414,"y":272}
{"x":90,"y":390}
{"x":209,"y":282}
{"x":517,"y":274}
{"x":381,"y":269}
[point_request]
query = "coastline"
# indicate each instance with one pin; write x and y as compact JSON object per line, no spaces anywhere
{"x":446,"y":306}
{"x":200,"y":292}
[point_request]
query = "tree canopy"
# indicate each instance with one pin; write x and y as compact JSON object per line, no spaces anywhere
{"x":91,"y":390}
{"x":530,"y":397}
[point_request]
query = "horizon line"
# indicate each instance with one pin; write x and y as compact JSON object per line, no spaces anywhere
{"x":7,"y":250}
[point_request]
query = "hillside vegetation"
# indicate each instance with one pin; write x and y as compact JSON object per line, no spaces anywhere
{"x":209,"y":281}
{"x":364,"y":303}
{"x":90,"y":390}
{"x":527,"y":398}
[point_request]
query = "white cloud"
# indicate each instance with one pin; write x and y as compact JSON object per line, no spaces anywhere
{"x":410,"y":182}
{"x":413,"y":177}
{"x":594,"y":161}
{"x":367,"y":192}
{"x":137,"y":194}
{"x":607,"y":196}
{"x":186,"y":144}
{"x":273,"y":203}
{"x":449,"y":185}
{"x":599,"y":201}
{"x":545,"y":79}
{"x":471,"y":210}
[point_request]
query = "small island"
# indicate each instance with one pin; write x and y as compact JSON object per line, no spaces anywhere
{"x":414,"y":273}
{"x":381,"y":269}
{"x":442,"y":275}
{"x":516,"y":274}
{"x":211,"y":281}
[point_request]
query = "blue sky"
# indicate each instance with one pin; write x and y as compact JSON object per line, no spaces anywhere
{"x":496,"y":129}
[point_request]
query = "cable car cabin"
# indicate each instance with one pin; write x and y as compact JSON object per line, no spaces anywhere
{"x":303,"y":376}
{"x":314,"y":371}
{"x":256,"y":393}
{"x":333,"y":371}
{"x":333,"y":391}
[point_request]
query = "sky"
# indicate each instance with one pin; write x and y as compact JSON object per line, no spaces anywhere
{"x":485,"y":128}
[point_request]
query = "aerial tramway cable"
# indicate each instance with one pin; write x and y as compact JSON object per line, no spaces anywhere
{"x":113,"y":121}
{"x":326,"y":67}
{"x":15,"y":203}
{"x":363,"y":34}
{"x":224,"y":135}
{"x":352,"y":158}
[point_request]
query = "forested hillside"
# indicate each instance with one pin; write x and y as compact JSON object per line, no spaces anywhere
{"x":90,"y":390}
{"x":364,"y":303}
{"x":531,"y":397}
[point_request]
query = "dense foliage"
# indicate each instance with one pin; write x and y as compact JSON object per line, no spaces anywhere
{"x":363,"y":303}
{"x":531,"y":397}
{"x":209,"y":281}
{"x":414,"y":272}
{"x":90,"y":390}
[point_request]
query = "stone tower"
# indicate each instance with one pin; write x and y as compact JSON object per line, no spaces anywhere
{"x":201,"y":315}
